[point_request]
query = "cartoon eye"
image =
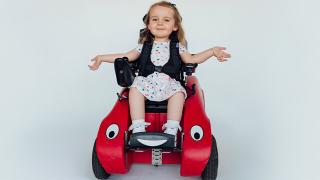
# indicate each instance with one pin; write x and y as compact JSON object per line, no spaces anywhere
{"x":196,"y":133}
{"x":112,"y":131}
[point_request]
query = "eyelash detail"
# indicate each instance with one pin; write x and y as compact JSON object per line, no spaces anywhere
{"x":166,"y":20}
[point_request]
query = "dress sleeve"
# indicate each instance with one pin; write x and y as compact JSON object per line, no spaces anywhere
{"x":139,"y":48}
{"x":182,"y":49}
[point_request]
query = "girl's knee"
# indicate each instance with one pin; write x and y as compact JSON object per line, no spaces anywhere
{"x":133,"y":91}
{"x":179,"y":95}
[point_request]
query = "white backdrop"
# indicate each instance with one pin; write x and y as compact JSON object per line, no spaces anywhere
{"x":263,"y":103}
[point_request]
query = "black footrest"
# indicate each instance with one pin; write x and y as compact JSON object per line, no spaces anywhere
{"x":145,"y":140}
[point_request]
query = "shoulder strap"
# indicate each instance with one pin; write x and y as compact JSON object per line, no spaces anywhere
{"x":173,"y":66}
{"x":144,"y":57}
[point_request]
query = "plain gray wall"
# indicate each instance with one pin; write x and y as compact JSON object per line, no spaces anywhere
{"x":263,"y":103}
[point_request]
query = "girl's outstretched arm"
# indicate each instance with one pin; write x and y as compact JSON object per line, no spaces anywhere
{"x":217,"y":52}
{"x":96,"y":61}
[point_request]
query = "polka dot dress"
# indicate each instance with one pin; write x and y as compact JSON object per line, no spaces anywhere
{"x":159,"y":86}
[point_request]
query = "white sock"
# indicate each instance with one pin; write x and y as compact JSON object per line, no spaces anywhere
{"x":138,"y":125}
{"x":172,"y":127}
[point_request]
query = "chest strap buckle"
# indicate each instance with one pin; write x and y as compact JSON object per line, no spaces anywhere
{"x":158,"y":69}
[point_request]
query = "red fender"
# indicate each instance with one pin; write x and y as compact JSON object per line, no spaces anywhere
{"x":111,"y":152}
{"x":195,"y":154}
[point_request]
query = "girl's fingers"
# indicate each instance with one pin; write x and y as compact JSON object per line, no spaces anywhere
{"x":222,"y":58}
{"x":92,"y":63}
{"x":227,"y":55}
{"x":92,"y":67}
{"x":221,"y":48}
{"x":221,"y":55}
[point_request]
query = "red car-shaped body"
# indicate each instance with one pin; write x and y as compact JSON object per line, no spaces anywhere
{"x":194,"y":147}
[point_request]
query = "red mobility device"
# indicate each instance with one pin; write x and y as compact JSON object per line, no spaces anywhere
{"x":194,"y":148}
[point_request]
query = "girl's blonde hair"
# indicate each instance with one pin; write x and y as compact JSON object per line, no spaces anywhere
{"x":177,"y":17}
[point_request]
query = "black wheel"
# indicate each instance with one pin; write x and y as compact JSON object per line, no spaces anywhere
{"x":210,"y":172}
{"x":98,"y":170}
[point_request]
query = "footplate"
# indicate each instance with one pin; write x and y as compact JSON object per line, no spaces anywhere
{"x":145,"y":140}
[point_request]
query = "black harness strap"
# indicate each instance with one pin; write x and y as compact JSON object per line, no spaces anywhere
{"x":171,"y":68}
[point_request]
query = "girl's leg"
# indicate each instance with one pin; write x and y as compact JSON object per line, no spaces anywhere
{"x":174,"y":113}
{"x":136,"y":104}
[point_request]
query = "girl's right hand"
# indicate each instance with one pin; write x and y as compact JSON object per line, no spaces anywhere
{"x":95,"y":63}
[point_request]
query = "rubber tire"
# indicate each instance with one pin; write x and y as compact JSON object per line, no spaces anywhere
{"x":210,"y":172}
{"x":97,"y":168}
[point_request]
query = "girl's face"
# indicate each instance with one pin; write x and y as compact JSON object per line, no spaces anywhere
{"x":161,"y":23}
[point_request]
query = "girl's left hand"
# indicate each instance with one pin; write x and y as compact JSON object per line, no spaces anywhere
{"x":220,"y":54}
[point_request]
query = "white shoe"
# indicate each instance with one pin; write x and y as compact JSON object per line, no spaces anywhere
{"x":171,"y":127}
{"x":138,"y":126}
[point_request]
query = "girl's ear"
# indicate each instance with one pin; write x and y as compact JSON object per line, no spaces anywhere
{"x":175,"y":28}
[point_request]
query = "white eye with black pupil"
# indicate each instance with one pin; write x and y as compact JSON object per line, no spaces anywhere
{"x":196,"y":133}
{"x":112,"y":131}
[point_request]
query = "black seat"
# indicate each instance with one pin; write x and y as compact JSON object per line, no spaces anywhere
{"x":156,"y":107}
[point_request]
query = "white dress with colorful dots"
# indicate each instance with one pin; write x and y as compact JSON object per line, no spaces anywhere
{"x":159,"y":86}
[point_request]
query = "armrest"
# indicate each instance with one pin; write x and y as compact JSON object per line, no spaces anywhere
{"x":124,"y":73}
{"x":189,"y":68}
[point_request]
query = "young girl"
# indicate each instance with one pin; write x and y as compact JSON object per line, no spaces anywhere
{"x":162,"y":20}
